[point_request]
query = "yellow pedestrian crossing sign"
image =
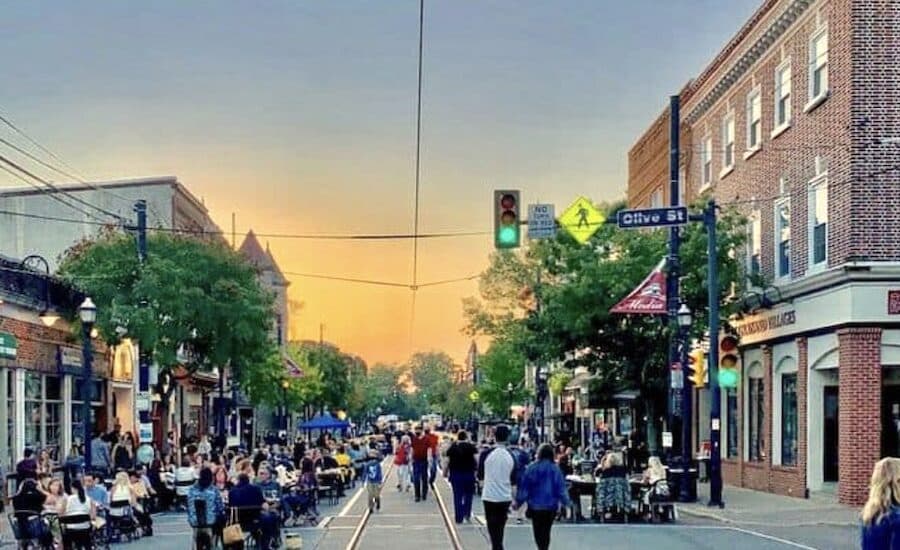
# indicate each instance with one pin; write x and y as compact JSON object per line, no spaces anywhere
{"x":582,"y":219}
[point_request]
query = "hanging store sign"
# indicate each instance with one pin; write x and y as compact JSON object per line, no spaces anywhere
{"x":9,"y":346}
{"x":69,"y":360}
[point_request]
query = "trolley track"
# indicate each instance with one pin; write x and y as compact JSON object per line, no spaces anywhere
{"x":358,"y":539}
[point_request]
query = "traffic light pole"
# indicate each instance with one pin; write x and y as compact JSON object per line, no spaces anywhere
{"x":715,"y":412}
{"x":144,"y":357}
{"x":673,"y":267}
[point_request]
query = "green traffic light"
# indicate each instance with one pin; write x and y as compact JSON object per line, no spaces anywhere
{"x":728,"y":378}
{"x":508,"y":235}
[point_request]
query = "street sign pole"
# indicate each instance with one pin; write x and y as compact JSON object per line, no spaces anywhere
{"x":673,"y":267}
{"x":715,"y":409}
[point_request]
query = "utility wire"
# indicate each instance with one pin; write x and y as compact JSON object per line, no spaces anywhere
{"x":415,"y":278}
{"x":53,"y":196}
{"x":52,"y":188}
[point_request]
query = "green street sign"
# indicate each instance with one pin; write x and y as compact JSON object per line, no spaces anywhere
{"x":8,"y":345}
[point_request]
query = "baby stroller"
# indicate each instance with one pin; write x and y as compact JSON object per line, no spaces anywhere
{"x":300,"y":506}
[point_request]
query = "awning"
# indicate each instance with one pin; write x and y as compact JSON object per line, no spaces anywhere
{"x":626,"y":395}
{"x":580,"y":381}
{"x":290,"y":367}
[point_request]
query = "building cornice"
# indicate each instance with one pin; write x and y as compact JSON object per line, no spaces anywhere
{"x":745,"y":61}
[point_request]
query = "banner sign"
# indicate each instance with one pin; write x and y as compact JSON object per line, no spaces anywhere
{"x":649,"y":298}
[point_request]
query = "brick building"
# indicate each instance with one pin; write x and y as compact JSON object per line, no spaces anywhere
{"x":796,"y":122}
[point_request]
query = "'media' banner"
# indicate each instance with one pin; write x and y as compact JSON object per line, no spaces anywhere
{"x":649,"y":298}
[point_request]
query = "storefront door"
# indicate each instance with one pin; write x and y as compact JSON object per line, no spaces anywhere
{"x":890,"y":420}
{"x":830,"y":440}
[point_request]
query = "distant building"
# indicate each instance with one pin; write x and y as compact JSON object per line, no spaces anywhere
{"x":273,"y":280}
{"x":38,"y":222}
{"x":796,"y":123}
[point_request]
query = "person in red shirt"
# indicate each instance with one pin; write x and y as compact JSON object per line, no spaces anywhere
{"x":421,"y":446}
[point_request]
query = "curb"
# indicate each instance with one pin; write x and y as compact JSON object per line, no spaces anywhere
{"x":723,"y":519}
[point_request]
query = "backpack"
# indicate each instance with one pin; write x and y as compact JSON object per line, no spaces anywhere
{"x":513,"y":473}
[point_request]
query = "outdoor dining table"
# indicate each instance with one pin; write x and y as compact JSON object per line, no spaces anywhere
{"x":578,"y":487}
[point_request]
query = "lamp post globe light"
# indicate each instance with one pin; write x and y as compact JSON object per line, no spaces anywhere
{"x":285,"y":384}
{"x":88,"y":314}
{"x":685,"y":316}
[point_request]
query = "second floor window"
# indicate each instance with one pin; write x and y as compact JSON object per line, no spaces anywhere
{"x":728,"y":142}
{"x":706,"y":163}
{"x":818,"y":216}
{"x":818,"y":65}
{"x":783,"y":238}
{"x":754,"y":240}
{"x":783,"y":96}
{"x":656,"y":199}
{"x":754,"y":120}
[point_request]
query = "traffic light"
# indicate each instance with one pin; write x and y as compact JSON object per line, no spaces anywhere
{"x":729,"y":361}
{"x":506,"y":220}
{"x":697,"y":364}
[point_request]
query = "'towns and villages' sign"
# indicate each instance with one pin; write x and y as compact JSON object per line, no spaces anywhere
{"x":773,"y":322}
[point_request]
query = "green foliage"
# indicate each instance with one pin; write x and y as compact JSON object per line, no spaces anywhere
{"x":200,"y":297}
{"x":554,"y":298}
{"x":431,"y":373}
{"x":558,"y":382}
{"x":503,"y":364}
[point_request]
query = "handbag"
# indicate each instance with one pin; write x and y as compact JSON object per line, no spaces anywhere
{"x":232,"y":533}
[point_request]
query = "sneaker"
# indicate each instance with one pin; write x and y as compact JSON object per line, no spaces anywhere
{"x":418,"y":499}
{"x":519,"y":521}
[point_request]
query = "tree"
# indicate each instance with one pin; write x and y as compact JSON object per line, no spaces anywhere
{"x":431,"y":374}
{"x":579,"y":284}
{"x":503,"y":364}
{"x":197,"y":297}
{"x":333,"y":368}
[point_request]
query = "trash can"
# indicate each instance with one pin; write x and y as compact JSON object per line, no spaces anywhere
{"x":676,"y":475}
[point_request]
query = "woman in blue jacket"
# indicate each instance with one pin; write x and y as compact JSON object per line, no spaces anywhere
{"x":544,"y":489}
{"x":881,"y":514}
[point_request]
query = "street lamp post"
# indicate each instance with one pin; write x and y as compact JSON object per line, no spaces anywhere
{"x":284,"y":388}
{"x":541,"y":385}
{"x":685,"y":319}
{"x":88,"y":313}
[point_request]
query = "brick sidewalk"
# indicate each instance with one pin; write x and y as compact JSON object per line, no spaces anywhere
{"x":746,"y":507}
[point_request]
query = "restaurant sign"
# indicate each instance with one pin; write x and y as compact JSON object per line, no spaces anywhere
{"x":8,"y":346}
{"x":772,"y":322}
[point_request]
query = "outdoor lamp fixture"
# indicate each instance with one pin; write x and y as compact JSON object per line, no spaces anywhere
{"x":285,"y":384}
{"x":48,"y":318}
{"x":685,"y":318}
{"x":88,"y":311}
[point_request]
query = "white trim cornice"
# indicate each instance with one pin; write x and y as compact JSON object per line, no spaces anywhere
{"x":740,"y":67}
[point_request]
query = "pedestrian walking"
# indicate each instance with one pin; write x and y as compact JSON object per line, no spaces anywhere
{"x":543,"y":489}
{"x":880,"y":516}
{"x":498,"y":471}
{"x":461,"y":467}
{"x":374,"y":479}
{"x":402,"y":458}
{"x":420,"y":452}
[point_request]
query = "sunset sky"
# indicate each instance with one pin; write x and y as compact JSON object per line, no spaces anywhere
{"x":299,"y":116}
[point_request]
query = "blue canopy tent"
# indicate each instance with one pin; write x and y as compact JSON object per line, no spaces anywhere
{"x":324,"y":422}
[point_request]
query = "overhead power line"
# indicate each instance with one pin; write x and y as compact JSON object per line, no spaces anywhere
{"x":53,"y":196}
{"x":50,"y":187}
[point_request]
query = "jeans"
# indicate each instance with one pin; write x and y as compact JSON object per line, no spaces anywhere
{"x":463,"y":492}
{"x":432,"y":470}
{"x":420,"y":478}
{"x":541,"y":523}
{"x":403,"y":476}
{"x":496,"y":513}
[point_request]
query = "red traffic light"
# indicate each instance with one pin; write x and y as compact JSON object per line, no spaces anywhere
{"x":508,"y":201}
{"x":728,"y":343}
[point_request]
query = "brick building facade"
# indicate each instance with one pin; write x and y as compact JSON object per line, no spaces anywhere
{"x":796,"y":123}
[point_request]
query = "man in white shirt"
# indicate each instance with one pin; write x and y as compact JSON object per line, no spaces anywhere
{"x":496,"y":495}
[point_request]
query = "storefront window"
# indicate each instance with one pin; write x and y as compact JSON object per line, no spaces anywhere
{"x":731,"y":399}
{"x":789,"y":419}
{"x":10,"y":417}
{"x":43,"y":411}
{"x":755,"y":406}
{"x":97,"y":390}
